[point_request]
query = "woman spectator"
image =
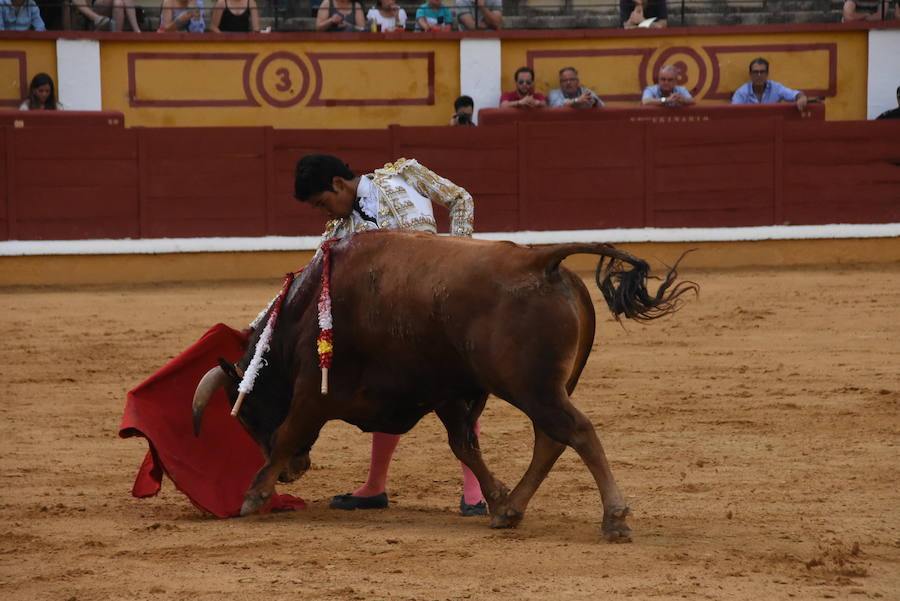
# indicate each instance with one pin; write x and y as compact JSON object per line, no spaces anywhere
{"x":20,"y":15}
{"x":240,"y":16}
{"x":182,"y":15}
{"x":387,"y":15}
{"x":340,"y":15}
{"x":109,"y":14}
{"x":41,"y":95}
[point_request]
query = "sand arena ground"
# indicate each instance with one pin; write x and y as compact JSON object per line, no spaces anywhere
{"x":755,"y":435}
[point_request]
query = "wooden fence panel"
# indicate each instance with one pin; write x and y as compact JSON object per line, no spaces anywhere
{"x":713,"y":173}
{"x":581,"y":175}
{"x":75,"y":183}
{"x":204,"y":182}
{"x":843,"y":172}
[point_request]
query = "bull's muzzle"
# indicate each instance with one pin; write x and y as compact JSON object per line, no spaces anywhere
{"x":213,"y":379}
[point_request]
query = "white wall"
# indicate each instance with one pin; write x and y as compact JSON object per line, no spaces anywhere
{"x":78,"y":69}
{"x":884,"y":71}
{"x":479,"y":72}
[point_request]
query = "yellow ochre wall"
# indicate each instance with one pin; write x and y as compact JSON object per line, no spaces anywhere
{"x":37,"y":56}
{"x":310,"y":84}
{"x":372,"y":83}
{"x":832,"y":62}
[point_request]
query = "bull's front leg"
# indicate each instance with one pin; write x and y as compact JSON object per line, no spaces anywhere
{"x":291,"y":444}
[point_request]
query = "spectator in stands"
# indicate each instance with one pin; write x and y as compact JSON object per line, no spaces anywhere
{"x":110,"y":14}
{"x":463,"y":110}
{"x":340,"y":16}
{"x":524,"y":95}
{"x":571,"y":93}
{"x":637,"y":13}
{"x":387,"y":15}
{"x":433,"y":16}
{"x":41,"y":95}
{"x":20,"y":15}
{"x":182,"y":15}
{"x":869,"y":10}
{"x":760,"y":90}
{"x":490,"y":14}
{"x":666,"y":93}
{"x":241,"y":16}
{"x":893,"y":113}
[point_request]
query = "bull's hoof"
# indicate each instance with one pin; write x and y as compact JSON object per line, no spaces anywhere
{"x":615,"y":529}
{"x":506,"y":518}
{"x":254,"y":502}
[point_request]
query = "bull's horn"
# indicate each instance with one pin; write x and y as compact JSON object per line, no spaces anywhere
{"x":212,"y":380}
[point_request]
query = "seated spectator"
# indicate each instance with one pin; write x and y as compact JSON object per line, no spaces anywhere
{"x":41,"y":95}
{"x":893,"y":113}
{"x":490,"y":14}
{"x":759,"y":90}
{"x":524,"y":95}
{"x":570,"y":92}
{"x":636,"y":13}
{"x":463,"y":110}
{"x":340,"y":16}
{"x":869,"y":10}
{"x":241,"y":16}
{"x":433,"y":16}
{"x":666,"y":93}
{"x":387,"y":15}
{"x":110,"y":14}
{"x":182,"y":15}
{"x":20,"y":15}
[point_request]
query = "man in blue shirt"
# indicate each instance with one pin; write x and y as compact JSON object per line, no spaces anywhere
{"x":666,"y":93}
{"x":20,"y":15}
{"x":759,"y":90}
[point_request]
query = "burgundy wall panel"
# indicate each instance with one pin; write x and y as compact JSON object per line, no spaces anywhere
{"x":75,"y":183}
{"x":204,"y":182}
{"x":111,"y":182}
{"x":842,"y":172}
{"x":713,"y":173}
{"x":582,"y":175}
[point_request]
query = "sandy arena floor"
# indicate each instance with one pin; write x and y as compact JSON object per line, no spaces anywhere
{"x":755,"y":434}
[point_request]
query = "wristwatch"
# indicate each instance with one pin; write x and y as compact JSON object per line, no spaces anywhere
{"x":663,"y":100}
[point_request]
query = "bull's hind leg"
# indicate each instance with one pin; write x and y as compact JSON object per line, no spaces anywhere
{"x":562,"y":422}
{"x":459,"y":421}
{"x":545,"y":453}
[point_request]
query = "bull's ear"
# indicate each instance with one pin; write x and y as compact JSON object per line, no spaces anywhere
{"x":229,"y":369}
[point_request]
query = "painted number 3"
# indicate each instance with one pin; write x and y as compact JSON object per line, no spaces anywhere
{"x":284,"y":80}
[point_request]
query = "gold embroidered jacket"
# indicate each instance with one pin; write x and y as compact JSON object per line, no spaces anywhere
{"x":399,"y":196}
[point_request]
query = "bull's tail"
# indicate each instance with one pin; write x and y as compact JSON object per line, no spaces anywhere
{"x":622,"y":278}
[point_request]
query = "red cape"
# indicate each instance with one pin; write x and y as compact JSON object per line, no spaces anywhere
{"x":214,"y":470}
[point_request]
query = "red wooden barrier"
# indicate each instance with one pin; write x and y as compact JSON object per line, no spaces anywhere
{"x":73,"y":183}
{"x":105,"y":182}
{"x":29,"y":119}
{"x":652,"y":114}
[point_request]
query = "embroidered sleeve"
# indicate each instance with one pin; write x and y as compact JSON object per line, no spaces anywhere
{"x":441,"y":191}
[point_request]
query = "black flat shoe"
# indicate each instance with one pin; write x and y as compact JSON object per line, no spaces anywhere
{"x":349,"y":502}
{"x":466,"y":510}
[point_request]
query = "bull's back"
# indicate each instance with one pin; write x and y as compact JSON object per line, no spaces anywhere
{"x":452,"y":310}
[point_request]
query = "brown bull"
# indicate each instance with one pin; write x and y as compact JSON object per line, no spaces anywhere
{"x":424,"y":323}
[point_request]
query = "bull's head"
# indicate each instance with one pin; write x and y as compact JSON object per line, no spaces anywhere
{"x":262,"y":411}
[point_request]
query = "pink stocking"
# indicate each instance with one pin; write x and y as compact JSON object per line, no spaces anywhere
{"x":471,"y":487}
{"x":383,"y":446}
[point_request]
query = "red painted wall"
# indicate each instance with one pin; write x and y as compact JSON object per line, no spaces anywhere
{"x":111,"y":182}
